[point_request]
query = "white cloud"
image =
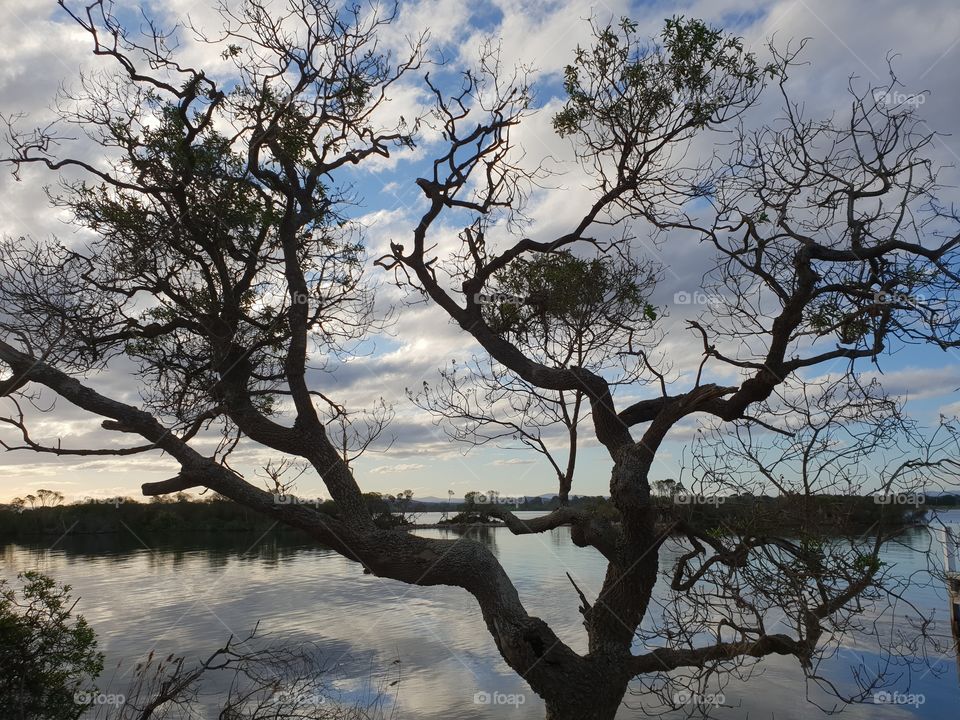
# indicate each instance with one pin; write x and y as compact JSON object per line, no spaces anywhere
{"x":400,"y":468}
{"x":950,"y":410}
{"x":39,"y":48}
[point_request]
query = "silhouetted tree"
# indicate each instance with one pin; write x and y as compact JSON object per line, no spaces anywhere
{"x":48,"y":654}
{"x":221,"y":259}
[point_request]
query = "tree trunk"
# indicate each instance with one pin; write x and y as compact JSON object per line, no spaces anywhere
{"x":595,"y":695}
{"x":597,"y":706}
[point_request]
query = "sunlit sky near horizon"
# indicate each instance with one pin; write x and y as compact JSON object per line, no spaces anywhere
{"x":40,"y":48}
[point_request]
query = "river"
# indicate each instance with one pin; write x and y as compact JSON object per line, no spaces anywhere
{"x":186,"y":595}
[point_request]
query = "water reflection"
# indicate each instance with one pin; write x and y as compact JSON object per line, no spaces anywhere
{"x":186,"y":594}
{"x":480,"y":533}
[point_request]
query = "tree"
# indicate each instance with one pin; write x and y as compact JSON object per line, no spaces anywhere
{"x":401,"y":503}
{"x":49,"y":498}
{"x":223,"y":259}
{"x":474,"y":498}
{"x":667,"y":488}
{"x":561,"y":310}
{"x":48,"y":654}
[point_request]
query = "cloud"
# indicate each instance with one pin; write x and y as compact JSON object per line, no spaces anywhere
{"x":913,"y":382}
{"x":950,"y":410}
{"x":40,"y":48}
{"x":514,"y":461}
{"x":401,"y":468}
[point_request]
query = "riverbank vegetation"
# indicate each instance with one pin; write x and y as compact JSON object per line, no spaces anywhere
{"x":182,"y":513}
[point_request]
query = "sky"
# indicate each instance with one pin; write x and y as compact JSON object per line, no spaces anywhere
{"x":40,"y":48}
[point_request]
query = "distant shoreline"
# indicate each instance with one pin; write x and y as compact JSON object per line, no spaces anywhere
{"x":823,"y":515}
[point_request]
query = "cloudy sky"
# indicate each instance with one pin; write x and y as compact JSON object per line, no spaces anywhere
{"x":40,"y":49}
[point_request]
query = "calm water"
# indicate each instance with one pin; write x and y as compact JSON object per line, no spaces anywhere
{"x":187,"y":596}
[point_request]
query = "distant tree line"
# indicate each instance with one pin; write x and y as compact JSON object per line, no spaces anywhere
{"x":46,"y":513}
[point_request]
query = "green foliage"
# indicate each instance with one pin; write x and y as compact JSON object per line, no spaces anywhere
{"x":47,"y":654}
{"x":160,"y":517}
{"x":694,"y":72}
{"x":201,"y":232}
{"x":539,"y":296}
{"x":380,"y":508}
{"x":850,"y":323}
{"x":869,"y":563}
